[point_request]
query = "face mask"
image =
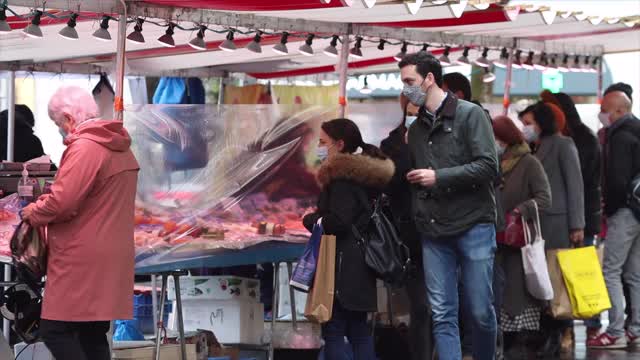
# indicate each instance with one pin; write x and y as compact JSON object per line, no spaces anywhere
{"x":500,"y":149}
{"x":62,"y":133}
{"x":530,"y":133}
{"x":323,"y":153}
{"x":605,"y":119}
{"x":408,"y":120}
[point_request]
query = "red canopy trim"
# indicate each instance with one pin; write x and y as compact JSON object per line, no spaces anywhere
{"x":250,"y":5}
{"x":582,"y":34}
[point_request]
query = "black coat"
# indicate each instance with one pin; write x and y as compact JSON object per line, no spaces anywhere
{"x":622,"y":162}
{"x":399,"y":192}
{"x":591,"y":165}
{"x":343,"y":179}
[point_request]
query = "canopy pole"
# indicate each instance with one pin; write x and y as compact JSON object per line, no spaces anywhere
{"x":120,"y":62}
{"x":600,"y":79}
{"x":343,"y":68}
{"x":506,"y":101}
{"x":11,"y":126}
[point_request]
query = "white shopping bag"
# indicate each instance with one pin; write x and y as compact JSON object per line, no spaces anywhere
{"x":534,"y":262}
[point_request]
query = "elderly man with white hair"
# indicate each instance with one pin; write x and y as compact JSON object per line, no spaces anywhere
{"x":89,"y":215}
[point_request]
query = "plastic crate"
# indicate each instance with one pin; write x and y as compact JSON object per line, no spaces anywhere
{"x":143,"y":312}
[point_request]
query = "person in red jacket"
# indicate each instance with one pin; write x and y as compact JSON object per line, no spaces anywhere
{"x":89,"y":214}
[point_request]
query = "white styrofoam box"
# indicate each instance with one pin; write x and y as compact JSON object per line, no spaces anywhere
{"x":37,"y":351}
{"x":216,"y":288}
{"x":232,"y":321}
{"x":284,"y":302}
{"x":167,"y":352}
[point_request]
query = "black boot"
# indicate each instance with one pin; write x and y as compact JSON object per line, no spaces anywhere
{"x":551,"y":346}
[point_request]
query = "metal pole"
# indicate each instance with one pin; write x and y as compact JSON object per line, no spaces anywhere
{"x":221,"y":91}
{"x":343,"y":68}
{"x":11,"y":125}
{"x":274,"y":307}
{"x":118,"y":103}
{"x":183,"y":346}
{"x":154,"y":302}
{"x":506,"y":101}
{"x":292,"y":298}
{"x":600,"y":78}
{"x":160,"y":324}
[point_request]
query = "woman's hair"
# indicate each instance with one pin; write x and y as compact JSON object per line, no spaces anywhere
{"x":347,"y":131}
{"x":506,"y":131}
{"x":571,"y":113}
{"x":544,"y":116}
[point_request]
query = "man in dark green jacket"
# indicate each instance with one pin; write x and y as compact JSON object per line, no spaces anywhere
{"x":454,"y":158}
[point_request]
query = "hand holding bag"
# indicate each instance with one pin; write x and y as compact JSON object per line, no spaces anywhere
{"x":534,"y":261}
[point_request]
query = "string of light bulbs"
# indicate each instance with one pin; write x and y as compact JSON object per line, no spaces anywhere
{"x":532,"y":61}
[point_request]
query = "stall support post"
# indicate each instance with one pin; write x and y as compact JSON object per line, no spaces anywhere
{"x":183,"y":346}
{"x":154,"y":302}
{"x":343,"y":68}
{"x":274,"y":306}
{"x":160,"y":325}
{"x":221,"y":90}
{"x":292,"y":298}
{"x":11,"y":124}
{"x":600,"y":78}
{"x":120,"y":62}
{"x":506,"y":101}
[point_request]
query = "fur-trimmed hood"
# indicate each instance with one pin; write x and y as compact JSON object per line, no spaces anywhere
{"x":365,"y":170}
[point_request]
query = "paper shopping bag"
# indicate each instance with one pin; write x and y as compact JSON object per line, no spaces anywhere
{"x":585,"y":283}
{"x":305,"y":270}
{"x":561,"y":304}
{"x":320,"y":300}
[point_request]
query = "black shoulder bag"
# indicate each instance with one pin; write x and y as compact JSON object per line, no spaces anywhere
{"x":384,"y":251}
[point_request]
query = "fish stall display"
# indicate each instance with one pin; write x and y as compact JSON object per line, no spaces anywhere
{"x":223,"y":176}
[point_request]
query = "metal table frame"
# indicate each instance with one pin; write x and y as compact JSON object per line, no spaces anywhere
{"x":275,"y":252}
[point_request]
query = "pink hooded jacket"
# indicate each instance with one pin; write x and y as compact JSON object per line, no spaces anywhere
{"x":90,"y":215}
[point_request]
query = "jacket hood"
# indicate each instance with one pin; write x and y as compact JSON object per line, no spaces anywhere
{"x":362,"y":169}
{"x":108,"y":133}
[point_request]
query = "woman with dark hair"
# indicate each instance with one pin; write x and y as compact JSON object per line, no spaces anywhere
{"x":349,"y":181}
{"x":26,"y":146}
{"x":399,"y":191}
{"x":563,"y":223}
{"x":524,"y":185}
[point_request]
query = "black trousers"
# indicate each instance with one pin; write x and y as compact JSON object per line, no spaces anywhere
{"x":76,"y":340}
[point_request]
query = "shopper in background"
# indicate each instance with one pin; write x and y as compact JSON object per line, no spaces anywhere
{"x":89,"y":215}
{"x":563,"y":223}
{"x":622,"y":251}
{"x":524,"y":185}
{"x":399,"y":192}
{"x":591,"y":167}
{"x":347,"y":180}
{"x":26,"y":144}
{"x":453,"y":153}
{"x":458,"y":84}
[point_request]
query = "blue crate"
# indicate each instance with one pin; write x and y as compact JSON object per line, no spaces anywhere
{"x":143,"y":314}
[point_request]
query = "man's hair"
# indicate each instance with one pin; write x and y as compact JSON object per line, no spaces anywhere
{"x":458,"y":82}
{"x":425,"y":63}
{"x":625,"y":88}
{"x":544,"y":116}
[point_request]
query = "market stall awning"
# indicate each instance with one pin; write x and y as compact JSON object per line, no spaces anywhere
{"x":616,"y":30}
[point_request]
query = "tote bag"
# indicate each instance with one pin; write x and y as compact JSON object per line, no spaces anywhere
{"x":319,"y":307}
{"x":534,"y":261}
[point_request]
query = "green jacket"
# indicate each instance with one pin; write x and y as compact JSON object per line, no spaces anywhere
{"x":459,"y":145}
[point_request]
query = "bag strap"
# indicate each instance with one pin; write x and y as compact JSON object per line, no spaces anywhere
{"x":536,"y":223}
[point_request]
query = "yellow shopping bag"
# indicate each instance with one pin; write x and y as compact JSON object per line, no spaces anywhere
{"x":583,"y":277}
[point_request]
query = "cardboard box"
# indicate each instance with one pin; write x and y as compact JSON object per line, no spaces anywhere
{"x":216,"y":288}
{"x":232,"y":321}
{"x":37,"y":351}
{"x":167,"y":352}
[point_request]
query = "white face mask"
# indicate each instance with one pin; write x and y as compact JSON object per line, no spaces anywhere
{"x":408,"y":120}
{"x":530,"y":134}
{"x":323,"y":153}
{"x":500,"y":149}
{"x":605,"y":119}
{"x":63,"y":133}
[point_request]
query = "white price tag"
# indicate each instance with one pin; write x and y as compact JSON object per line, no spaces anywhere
{"x":25,"y":190}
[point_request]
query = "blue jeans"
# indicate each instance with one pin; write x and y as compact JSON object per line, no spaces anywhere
{"x":472,"y":252}
{"x":353,"y":325}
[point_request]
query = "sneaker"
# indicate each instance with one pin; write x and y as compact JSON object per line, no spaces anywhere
{"x":592,"y":333}
{"x":632,"y":339}
{"x":606,"y":341}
